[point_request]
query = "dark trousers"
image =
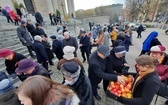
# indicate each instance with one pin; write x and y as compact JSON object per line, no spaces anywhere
{"x":30,"y":49}
{"x":45,"y":65}
{"x":105,"y":84}
{"x":9,"y":18}
{"x":139,"y":35}
{"x":16,"y":23}
{"x":52,"y":23}
{"x":112,"y":41}
{"x":94,"y":89}
{"x":87,"y":55}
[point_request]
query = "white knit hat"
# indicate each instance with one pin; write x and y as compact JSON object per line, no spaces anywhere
{"x":37,"y":38}
{"x":68,"y":52}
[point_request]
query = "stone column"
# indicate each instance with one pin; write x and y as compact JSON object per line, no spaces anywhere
{"x":71,"y":8}
{"x":50,"y":6}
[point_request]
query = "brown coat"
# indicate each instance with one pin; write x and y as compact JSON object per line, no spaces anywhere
{"x":64,"y":60}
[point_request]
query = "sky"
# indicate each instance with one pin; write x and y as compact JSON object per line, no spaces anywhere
{"x":88,"y":4}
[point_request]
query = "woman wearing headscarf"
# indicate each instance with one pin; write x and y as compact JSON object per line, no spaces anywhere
{"x":150,"y":41}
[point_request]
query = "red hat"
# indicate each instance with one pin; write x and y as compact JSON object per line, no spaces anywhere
{"x":5,"y":52}
{"x":158,"y":48}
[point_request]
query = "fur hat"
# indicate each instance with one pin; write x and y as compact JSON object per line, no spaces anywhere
{"x":68,"y":52}
{"x":70,"y":69}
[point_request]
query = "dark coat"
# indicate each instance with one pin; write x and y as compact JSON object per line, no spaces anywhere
{"x":96,"y":70}
{"x":39,"y":70}
{"x":144,"y":90}
{"x":11,"y":65}
{"x":119,"y":41}
{"x":116,"y":66}
{"x":48,"y":50}
{"x":24,"y":36}
{"x":127,"y":42}
{"x":70,"y":42}
{"x":31,"y":29}
{"x":5,"y":13}
{"x":83,"y":89}
{"x":9,"y":98}
{"x":155,"y":42}
{"x":140,"y":29}
{"x":85,"y":41}
{"x":57,"y":49}
{"x":38,"y":16}
{"x":40,"y":32}
{"x":18,"y":11}
{"x":40,"y":52}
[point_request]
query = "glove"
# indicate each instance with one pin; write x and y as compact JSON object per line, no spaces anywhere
{"x":124,"y":70}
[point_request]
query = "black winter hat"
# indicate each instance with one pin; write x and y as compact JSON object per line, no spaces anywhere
{"x":119,"y":50}
{"x":70,"y":69}
{"x":37,"y":24}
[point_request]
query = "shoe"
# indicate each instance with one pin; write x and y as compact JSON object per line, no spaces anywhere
{"x":52,"y":64}
{"x":84,"y":61}
{"x":49,"y":70}
{"x":98,"y":86}
{"x":97,"y":97}
{"x":166,"y":102}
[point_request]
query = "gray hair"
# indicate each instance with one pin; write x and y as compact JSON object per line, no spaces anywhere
{"x":37,"y":38}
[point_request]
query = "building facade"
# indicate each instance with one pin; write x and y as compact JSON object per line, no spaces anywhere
{"x":43,"y":6}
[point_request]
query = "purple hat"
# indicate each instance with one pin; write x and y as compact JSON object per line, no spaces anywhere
{"x":25,"y":65}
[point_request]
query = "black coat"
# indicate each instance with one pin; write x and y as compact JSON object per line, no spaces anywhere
{"x":85,"y":41}
{"x":116,"y":66}
{"x":31,"y":29}
{"x":48,"y":50}
{"x":39,"y":70}
{"x":144,"y":90}
{"x":57,"y":49}
{"x":9,"y":98}
{"x":96,"y":70}
{"x":40,"y":32}
{"x":140,"y":29}
{"x":83,"y":88}
{"x":38,"y":16}
{"x":11,"y":65}
{"x":40,"y":52}
{"x":155,"y":42}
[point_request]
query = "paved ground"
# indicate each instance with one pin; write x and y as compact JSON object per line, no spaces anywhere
{"x":131,"y":55}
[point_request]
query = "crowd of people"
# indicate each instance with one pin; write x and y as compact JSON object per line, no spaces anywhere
{"x":107,"y":63}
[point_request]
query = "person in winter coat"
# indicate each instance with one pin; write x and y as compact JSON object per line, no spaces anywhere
{"x":150,"y":41}
{"x":139,"y":31}
{"x":113,"y":35}
{"x":95,"y":34}
{"x":106,"y":37}
{"x":5,"y":13}
{"x":159,"y":52}
{"x":18,"y":11}
{"x":57,"y":47}
{"x":76,"y":79}
{"x":30,"y":27}
{"x":120,"y":39}
{"x":127,"y":41}
{"x":51,"y":18}
{"x":39,"y":30}
{"x":100,"y":39}
{"x":7,"y":93}
{"x":40,"y":51}
{"x":39,"y":18}
{"x":146,"y":83}
{"x":68,"y":57}
{"x":48,"y":49}
{"x":15,"y":17}
{"x":96,"y":69}
{"x":84,"y":46}
{"x":60,"y":36}
{"x":70,"y":41}
{"x":115,"y":68}
{"x":31,"y":68}
{"x":45,"y":92}
{"x":25,"y":38}
{"x":11,"y":62}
